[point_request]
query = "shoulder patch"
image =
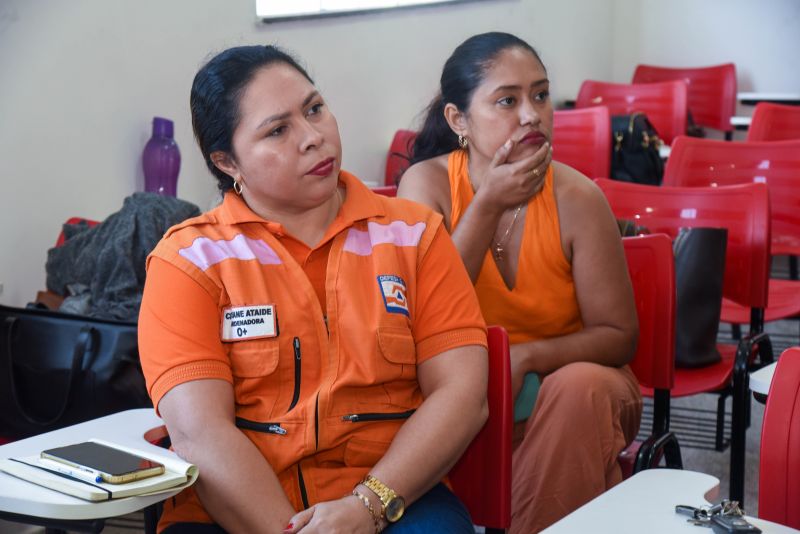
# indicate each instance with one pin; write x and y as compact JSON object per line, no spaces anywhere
{"x":393,"y":290}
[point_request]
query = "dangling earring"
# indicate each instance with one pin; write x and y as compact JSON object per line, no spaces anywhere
{"x":237,"y":186}
{"x":463,"y":142}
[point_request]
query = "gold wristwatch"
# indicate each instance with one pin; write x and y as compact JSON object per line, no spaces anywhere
{"x":392,"y":505}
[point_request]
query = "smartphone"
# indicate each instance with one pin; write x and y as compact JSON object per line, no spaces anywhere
{"x":112,"y":465}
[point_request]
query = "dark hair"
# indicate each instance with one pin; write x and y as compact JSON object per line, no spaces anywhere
{"x":463,"y":72}
{"x":216,"y":91}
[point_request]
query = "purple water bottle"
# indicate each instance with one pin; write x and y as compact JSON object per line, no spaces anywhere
{"x":161,"y":159}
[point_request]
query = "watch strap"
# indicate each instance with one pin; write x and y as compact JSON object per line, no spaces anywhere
{"x":384,"y":492}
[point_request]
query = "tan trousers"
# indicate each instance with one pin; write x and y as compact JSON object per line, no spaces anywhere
{"x":565,"y":454}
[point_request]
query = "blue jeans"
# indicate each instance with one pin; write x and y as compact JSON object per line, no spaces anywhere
{"x":438,"y":511}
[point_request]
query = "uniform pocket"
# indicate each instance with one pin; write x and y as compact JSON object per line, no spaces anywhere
{"x":364,"y":453}
{"x":254,"y":358}
{"x":397,"y":345}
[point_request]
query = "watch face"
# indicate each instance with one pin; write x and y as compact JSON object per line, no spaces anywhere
{"x":395,"y":509}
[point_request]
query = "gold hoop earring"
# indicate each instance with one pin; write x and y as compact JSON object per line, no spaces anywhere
{"x":463,"y":142}
{"x":237,"y":187}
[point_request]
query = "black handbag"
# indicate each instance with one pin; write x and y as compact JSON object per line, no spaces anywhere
{"x":699,"y":272}
{"x":59,"y":369}
{"x":634,"y":156}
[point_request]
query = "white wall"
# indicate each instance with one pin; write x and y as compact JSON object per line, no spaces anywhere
{"x":762,"y":38}
{"x":80,"y":82}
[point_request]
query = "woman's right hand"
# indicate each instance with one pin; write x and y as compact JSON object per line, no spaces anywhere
{"x":347,"y":514}
{"x":506,"y":185}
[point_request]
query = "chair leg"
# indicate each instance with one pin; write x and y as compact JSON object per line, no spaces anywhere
{"x":672,"y":453}
{"x":748,"y":413}
{"x":736,"y":331}
{"x":151,"y":516}
{"x":739,"y":399}
{"x":719,"y":438}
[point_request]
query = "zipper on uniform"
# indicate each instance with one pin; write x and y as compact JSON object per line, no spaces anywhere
{"x":316,"y":423}
{"x":297,"y":372}
{"x":267,"y":428}
{"x":302,"y":483}
{"x":363,"y":417}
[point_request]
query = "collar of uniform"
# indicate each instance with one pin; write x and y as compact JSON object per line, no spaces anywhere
{"x":360,"y":203}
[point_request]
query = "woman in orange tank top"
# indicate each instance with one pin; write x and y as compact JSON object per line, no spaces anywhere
{"x":543,"y":250}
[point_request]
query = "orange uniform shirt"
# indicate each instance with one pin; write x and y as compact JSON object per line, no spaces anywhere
{"x":225,"y":299}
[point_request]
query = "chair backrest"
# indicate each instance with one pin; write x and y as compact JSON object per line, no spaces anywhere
{"x":652,"y":272}
{"x":74,"y":220}
{"x":582,"y":139}
{"x":711,"y":91}
{"x":774,"y":122}
{"x":697,"y":162}
{"x":779,"y":483}
{"x":664,"y":103}
{"x":397,"y":160}
{"x":742,"y":209}
{"x":482,"y":477}
{"x":386,"y":190}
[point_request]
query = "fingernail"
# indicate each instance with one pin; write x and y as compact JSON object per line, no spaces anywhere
{"x":290,"y":526}
{"x":507,"y":145}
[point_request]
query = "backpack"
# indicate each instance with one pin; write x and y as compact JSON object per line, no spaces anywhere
{"x":634,"y":151}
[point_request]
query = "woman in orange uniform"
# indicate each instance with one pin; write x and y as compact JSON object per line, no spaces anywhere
{"x":543,"y":250}
{"x":315,"y":349}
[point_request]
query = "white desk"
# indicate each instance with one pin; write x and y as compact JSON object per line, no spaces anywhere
{"x":761,"y":379}
{"x":741,"y":122}
{"x":751,"y":99}
{"x":646,"y":503}
{"x":126,"y":428}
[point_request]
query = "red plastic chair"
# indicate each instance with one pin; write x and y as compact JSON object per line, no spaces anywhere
{"x":652,"y":273}
{"x":711,"y":91}
{"x":582,"y":139}
{"x":774,"y":122}
{"x":664,"y":103}
{"x":482,"y":477}
{"x":744,"y":211}
{"x":397,"y":160}
{"x":386,"y":190}
{"x":706,"y":162}
{"x":779,"y":483}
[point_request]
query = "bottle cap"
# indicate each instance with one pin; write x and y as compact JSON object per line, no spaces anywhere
{"x":163,"y":127}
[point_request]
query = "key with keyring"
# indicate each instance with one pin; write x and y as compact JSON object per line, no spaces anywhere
{"x":697,"y":516}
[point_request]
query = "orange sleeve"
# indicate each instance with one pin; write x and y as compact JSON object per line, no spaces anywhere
{"x":179,"y":326}
{"x":447,"y":312}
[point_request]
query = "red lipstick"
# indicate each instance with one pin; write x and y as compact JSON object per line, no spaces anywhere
{"x":323,"y":168}
{"x":533,"y":138}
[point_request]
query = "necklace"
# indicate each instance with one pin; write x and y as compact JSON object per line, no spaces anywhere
{"x":498,"y":245}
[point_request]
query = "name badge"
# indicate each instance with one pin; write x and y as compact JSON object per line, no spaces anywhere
{"x":249,"y":322}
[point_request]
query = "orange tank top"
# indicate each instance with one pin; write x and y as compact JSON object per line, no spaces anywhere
{"x":543,"y":303}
